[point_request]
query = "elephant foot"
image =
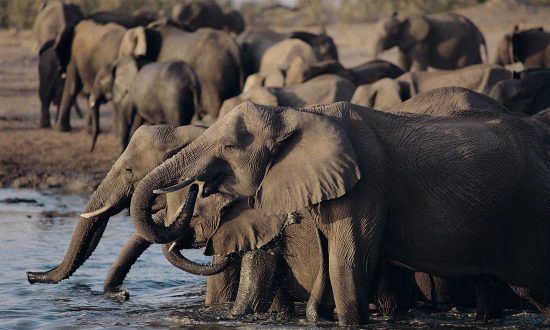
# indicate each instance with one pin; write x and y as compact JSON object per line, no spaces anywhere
{"x":316,"y":313}
{"x":118,"y":293}
{"x":282,"y":305}
{"x":63,"y":127}
{"x":44,"y":124}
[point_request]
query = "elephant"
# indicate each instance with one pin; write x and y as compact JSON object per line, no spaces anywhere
{"x":386,"y":92}
{"x":53,"y":18}
{"x":50,"y":82}
{"x":82,"y":52}
{"x":157,"y":93}
{"x":529,"y":94}
{"x":194,"y":14}
{"x":214,"y":56}
{"x":379,"y":183}
{"x":530,"y":47}
{"x":255,"y":42}
{"x":441,"y":41}
{"x":322,"y":89}
{"x":366,"y":73}
{"x":128,"y":21}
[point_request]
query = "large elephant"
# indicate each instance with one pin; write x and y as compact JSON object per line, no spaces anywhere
{"x":53,"y":18}
{"x":386,"y":92}
{"x":255,"y":42}
{"x":442,"y":41}
{"x":213,"y":55}
{"x":194,"y":14}
{"x":157,"y":93}
{"x":529,"y":94}
{"x":82,"y":52}
{"x":380,"y":183}
{"x":323,"y":89}
{"x":530,"y":47}
{"x":50,"y":82}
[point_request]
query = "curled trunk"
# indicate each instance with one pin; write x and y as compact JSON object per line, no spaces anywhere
{"x":180,"y":261}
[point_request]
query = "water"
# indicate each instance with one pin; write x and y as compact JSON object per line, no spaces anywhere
{"x":35,"y":235}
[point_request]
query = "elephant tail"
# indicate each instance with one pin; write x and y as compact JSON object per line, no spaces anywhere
{"x":95,"y":124}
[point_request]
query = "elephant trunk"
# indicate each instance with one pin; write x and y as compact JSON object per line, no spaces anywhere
{"x":180,"y":261}
{"x":85,"y":238}
{"x":182,"y":165}
{"x":95,"y":123}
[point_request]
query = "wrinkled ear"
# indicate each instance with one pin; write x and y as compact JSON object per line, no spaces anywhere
{"x":134,"y":43}
{"x":413,"y":30}
{"x":313,"y":160}
{"x":125,"y":71}
{"x":243,"y":229}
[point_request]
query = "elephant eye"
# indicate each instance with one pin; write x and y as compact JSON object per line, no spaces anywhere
{"x":230,"y":147}
{"x":128,"y":170}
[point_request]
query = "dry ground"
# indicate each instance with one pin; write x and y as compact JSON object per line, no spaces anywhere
{"x":43,"y":158}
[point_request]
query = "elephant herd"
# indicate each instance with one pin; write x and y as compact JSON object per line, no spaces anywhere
{"x":305,"y":180}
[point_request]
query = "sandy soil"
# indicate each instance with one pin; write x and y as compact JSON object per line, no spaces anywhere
{"x":43,"y":158}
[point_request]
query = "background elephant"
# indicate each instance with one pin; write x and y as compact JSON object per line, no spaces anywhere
{"x":255,"y":42}
{"x":50,"y":82}
{"x":157,"y":93}
{"x":194,"y":14}
{"x":530,"y":47}
{"x":82,"y":52}
{"x":387,"y":92}
{"x":128,"y":21}
{"x":213,"y":55}
{"x":53,"y":18}
{"x":529,"y":94}
{"x":442,"y":41}
{"x":366,"y":73}
{"x":323,"y":89}
{"x":334,"y":146}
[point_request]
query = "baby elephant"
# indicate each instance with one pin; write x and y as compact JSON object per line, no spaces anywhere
{"x":156,"y":93}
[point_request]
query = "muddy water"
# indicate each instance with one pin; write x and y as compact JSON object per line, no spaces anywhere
{"x":35,"y":229}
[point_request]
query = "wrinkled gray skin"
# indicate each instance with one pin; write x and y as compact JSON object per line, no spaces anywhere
{"x":530,"y":47}
{"x":366,"y":73}
{"x":213,"y":55}
{"x":497,"y":182}
{"x":53,"y":18}
{"x":529,"y":94}
{"x":194,"y":14}
{"x":255,"y":42}
{"x":323,"y":89}
{"x":386,"y":92}
{"x":442,"y":41}
{"x":82,"y":52}
{"x":157,"y":93}
{"x":148,"y":148}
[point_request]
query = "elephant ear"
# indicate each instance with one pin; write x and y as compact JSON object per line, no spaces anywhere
{"x":413,"y":30}
{"x":134,"y":43}
{"x":125,"y":71}
{"x":313,"y":160}
{"x":243,"y":229}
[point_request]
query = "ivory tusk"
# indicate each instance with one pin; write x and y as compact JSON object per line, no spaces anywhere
{"x":96,"y":213}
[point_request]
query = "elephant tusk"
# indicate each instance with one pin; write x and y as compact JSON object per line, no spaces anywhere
{"x":172,"y":246}
{"x":96,"y":213}
{"x":175,"y":187}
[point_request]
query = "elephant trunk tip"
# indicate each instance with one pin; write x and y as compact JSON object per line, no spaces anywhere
{"x":40,"y":277}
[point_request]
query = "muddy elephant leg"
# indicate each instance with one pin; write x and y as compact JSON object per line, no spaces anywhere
{"x":131,"y":251}
{"x":222,"y":288}
{"x":71,"y":89}
{"x":282,"y":303}
{"x":320,"y":304}
{"x":257,"y":282}
{"x":45,"y":114}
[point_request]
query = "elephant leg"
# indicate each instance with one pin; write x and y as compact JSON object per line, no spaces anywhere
{"x":320,"y":304}
{"x":71,"y":89}
{"x":222,"y":288}
{"x":77,"y":109}
{"x":418,"y":56}
{"x":489,"y":304}
{"x":88,"y":120}
{"x":282,"y":303}
{"x":257,"y":282}
{"x":393,"y":289}
{"x":131,"y":251}
{"x":45,"y":114}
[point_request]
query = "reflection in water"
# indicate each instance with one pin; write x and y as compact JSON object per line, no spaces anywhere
{"x":35,"y":236}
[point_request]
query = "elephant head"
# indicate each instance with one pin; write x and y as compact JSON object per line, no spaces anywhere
{"x":505,"y":49}
{"x":112,"y":83}
{"x":149,"y":146}
{"x":141,"y":42}
{"x":405,"y":33}
{"x":300,"y":71}
{"x":323,"y":45}
{"x":283,"y":160}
